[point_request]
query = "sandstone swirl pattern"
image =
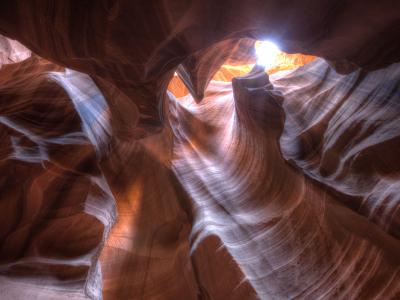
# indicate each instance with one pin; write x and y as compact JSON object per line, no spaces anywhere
{"x":280,"y":187}
{"x":290,"y":236}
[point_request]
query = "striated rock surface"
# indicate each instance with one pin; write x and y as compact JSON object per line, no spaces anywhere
{"x":290,"y":236}
{"x":56,"y":207}
{"x":343,"y":132}
{"x":267,"y":187}
{"x":137,"y":45}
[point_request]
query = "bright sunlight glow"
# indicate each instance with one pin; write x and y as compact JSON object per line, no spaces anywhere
{"x":267,"y":53}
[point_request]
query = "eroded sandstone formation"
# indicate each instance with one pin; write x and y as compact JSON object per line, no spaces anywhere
{"x":144,"y":155}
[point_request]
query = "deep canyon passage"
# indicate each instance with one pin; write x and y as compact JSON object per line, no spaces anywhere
{"x":167,"y":149}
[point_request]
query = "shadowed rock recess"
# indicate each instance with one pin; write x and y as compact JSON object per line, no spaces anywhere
{"x":145,"y":155}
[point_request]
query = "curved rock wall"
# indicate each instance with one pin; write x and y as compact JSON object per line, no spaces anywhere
{"x":281,"y":187}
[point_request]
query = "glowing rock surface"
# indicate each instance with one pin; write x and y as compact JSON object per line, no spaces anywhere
{"x":281,"y":186}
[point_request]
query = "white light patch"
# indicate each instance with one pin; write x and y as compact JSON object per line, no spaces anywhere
{"x":266,"y":53}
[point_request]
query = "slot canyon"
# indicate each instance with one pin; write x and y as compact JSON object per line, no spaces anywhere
{"x":199,"y":149}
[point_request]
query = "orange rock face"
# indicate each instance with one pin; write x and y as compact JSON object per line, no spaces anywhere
{"x":146,"y":154}
{"x":231,"y":69}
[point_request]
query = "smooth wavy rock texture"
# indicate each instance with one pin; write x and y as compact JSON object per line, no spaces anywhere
{"x":345,"y":135}
{"x":282,"y":186}
{"x":290,"y":236}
